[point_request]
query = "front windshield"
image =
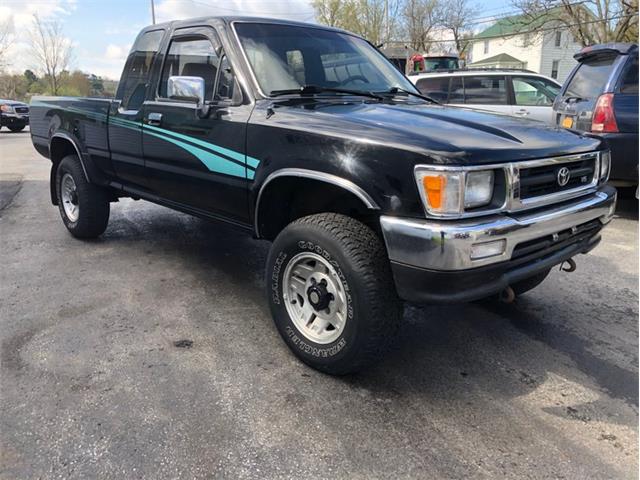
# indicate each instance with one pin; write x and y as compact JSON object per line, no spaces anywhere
{"x":285,"y":57}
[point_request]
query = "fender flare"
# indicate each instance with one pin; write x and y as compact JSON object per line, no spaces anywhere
{"x":341,"y":182}
{"x":75,"y":146}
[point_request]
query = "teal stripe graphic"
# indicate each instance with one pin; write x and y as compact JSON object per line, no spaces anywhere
{"x":212,"y":161}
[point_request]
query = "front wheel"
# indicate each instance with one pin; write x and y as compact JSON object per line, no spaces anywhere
{"x":84,"y":207}
{"x":331,"y":293}
{"x":16,"y":129}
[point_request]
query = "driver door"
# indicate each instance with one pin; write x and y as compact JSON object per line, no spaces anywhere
{"x":195,"y":160}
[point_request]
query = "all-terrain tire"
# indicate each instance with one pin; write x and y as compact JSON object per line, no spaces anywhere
{"x":360,"y":268}
{"x":92,"y":201}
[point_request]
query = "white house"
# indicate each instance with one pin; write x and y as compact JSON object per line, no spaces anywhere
{"x":513,"y":43}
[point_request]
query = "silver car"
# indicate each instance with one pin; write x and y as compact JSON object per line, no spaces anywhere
{"x":520,"y":93}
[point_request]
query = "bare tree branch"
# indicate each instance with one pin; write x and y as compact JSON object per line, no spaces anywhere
{"x":589,"y":21}
{"x":6,"y":40}
{"x":51,"y":50}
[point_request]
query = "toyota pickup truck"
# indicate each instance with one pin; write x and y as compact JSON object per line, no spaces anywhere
{"x":308,"y":137}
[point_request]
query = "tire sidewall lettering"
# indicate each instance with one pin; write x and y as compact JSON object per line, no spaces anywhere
{"x":295,"y":338}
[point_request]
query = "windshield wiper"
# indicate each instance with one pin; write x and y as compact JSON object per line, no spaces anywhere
{"x":315,"y":89}
{"x":396,"y":90}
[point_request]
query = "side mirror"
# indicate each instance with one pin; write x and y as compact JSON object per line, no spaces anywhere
{"x":190,"y":89}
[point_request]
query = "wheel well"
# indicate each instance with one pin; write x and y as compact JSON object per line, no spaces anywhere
{"x":286,"y":199}
{"x":59,"y":148}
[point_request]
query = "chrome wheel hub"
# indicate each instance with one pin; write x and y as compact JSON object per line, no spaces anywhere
{"x":314,"y":297}
{"x":69,"y":195}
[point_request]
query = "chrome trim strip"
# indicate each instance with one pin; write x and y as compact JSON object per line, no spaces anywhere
{"x":314,"y":175}
{"x":446,"y":246}
{"x":67,"y":137}
{"x":512,"y":202}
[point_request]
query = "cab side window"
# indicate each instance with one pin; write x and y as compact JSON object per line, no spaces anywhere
{"x":191,"y":57}
{"x":227,"y":88}
{"x":132,"y":88}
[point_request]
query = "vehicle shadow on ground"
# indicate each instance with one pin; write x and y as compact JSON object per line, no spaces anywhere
{"x":441,"y":350}
{"x":627,"y":203}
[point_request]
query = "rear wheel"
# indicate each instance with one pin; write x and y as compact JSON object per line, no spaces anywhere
{"x":84,"y":207}
{"x":331,"y":293}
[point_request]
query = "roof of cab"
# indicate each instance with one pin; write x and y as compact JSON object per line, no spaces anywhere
{"x":231,"y":19}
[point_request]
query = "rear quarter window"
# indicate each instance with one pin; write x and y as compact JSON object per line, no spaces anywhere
{"x":630,"y":78}
{"x":436,"y":88}
{"x":591,"y":77}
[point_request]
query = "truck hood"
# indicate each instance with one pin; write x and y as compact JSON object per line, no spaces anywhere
{"x":448,"y":135}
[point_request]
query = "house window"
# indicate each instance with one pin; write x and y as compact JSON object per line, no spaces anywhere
{"x":558,"y":38}
{"x":554,"y":68}
{"x":486,"y":46}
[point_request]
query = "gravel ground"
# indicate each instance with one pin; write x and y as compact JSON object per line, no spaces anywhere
{"x":150,"y":353}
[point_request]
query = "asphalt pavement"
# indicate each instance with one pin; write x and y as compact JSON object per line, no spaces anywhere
{"x":150,"y":353}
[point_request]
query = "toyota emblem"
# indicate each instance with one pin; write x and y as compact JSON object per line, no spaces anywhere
{"x":564,"y":174}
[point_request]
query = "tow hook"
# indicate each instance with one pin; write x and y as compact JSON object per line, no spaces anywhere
{"x":507,"y":295}
{"x":571,"y":266}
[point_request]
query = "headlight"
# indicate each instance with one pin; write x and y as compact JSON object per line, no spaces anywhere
{"x":605,"y":165}
{"x":6,"y":108}
{"x":479,"y":189}
{"x":450,"y":192}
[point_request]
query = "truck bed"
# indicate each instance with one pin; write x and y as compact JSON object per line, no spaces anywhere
{"x":84,"y":118}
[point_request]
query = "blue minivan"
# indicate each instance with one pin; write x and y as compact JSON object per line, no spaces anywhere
{"x":600,"y":96}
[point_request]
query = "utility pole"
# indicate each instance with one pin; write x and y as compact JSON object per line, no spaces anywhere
{"x":153,"y":13}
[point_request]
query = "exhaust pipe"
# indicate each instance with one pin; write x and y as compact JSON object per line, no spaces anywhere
{"x":507,"y":295}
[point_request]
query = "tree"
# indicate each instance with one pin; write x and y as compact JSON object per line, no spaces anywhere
{"x":329,"y":12}
{"x":457,"y":17}
{"x":6,"y":40}
{"x":51,"y":50}
{"x":589,"y":21}
{"x":30,"y":77}
{"x":421,"y":17}
{"x":372,"y":19}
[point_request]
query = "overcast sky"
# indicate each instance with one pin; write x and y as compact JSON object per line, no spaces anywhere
{"x":102,"y":31}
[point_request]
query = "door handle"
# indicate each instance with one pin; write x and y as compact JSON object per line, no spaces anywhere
{"x":154,"y":119}
{"x":522,"y":112}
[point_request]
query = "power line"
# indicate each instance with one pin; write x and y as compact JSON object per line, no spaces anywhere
{"x":521,"y":32}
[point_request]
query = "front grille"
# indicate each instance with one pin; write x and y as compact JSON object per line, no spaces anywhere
{"x":543,"y":180}
{"x":544,"y":245}
{"x":21,"y":109}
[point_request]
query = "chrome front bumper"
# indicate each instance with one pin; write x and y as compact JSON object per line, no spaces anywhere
{"x":447,"y":245}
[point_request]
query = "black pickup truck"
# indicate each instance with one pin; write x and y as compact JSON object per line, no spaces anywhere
{"x":308,"y":137}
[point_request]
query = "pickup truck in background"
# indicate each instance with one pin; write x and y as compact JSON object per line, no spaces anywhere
{"x":14,"y":115}
{"x":308,"y":137}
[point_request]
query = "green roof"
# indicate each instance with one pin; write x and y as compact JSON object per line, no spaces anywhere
{"x":500,"y":58}
{"x":514,"y":25}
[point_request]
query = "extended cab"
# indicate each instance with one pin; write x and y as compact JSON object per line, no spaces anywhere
{"x":308,"y":137}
